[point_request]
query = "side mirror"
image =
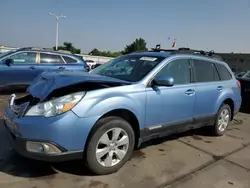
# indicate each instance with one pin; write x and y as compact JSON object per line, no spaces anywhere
{"x":8,"y":62}
{"x":163,"y":81}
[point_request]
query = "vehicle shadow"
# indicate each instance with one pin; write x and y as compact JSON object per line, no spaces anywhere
{"x":195,"y":133}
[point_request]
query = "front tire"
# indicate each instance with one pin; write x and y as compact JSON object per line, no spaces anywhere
{"x":110,"y":145}
{"x":223,"y":119}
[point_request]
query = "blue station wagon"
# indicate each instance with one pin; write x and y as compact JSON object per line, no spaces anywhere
{"x":103,"y":115}
{"x":22,"y":66}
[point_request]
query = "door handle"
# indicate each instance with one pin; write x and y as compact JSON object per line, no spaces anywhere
{"x":219,"y":88}
{"x":32,"y":68}
{"x":190,"y":92}
{"x":61,"y":68}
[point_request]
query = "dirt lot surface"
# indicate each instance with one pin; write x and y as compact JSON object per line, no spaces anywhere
{"x":189,"y":160}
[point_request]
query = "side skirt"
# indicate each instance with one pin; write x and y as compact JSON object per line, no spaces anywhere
{"x":159,"y":131}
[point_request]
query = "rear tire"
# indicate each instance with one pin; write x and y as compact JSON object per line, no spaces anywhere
{"x":222,"y":120}
{"x":110,"y":145}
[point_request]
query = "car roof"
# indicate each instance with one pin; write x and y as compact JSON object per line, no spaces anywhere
{"x":187,"y":52}
{"x":45,"y":51}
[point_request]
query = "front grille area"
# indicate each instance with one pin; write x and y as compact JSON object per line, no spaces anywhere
{"x":20,"y":105}
{"x":16,"y":109}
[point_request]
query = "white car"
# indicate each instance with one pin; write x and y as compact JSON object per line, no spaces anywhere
{"x":91,"y":63}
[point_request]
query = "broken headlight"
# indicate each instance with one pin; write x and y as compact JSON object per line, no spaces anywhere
{"x":56,"y":106}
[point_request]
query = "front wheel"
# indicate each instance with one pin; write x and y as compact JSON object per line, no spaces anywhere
{"x":110,"y":145}
{"x":223,"y":119}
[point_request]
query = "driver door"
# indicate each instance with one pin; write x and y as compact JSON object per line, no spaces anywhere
{"x":21,"y":71}
{"x":169,"y":107}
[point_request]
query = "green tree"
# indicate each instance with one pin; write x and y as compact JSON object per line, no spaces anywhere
{"x":68,"y":46}
{"x":96,"y":52}
{"x":138,"y":45}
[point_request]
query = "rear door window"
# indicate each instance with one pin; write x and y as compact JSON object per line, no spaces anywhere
{"x":204,"y":71}
{"x":223,"y":72}
{"x":50,"y":59}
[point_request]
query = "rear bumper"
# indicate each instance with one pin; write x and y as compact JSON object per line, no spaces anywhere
{"x":19,"y":145}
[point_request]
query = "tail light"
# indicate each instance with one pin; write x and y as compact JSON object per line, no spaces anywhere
{"x":238,"y":84}
{"x":87,"y":68}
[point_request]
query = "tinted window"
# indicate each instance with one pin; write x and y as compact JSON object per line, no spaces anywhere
{"x":178,"y":69}
{"x":128,"y":67}
{"x":24,"y":57}
{"x":50,"y":59}
{"x":224,"y":73}
{"x":69,"y":59}
{"x":246,"y":75}
{"x":204,"y":71}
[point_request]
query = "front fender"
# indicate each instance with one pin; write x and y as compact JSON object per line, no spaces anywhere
{"x":97,"y":107}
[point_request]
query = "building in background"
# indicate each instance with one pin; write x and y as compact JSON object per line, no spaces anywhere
{"x":237,"y":61}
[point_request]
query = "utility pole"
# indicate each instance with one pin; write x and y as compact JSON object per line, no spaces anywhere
{"x":57,"y":25}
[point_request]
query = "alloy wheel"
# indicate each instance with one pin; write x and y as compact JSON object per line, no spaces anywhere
{"x":112,"y":147}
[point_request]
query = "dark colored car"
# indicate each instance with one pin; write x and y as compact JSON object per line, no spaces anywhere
{"x":240,"y":74}
{"x":22,"y":66}
{"x":245,"y":89}
{"x":96,"y":65}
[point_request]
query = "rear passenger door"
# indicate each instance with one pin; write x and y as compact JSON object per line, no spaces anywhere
{"x":208,"y":88}
{"x":73,"y":64}
{"x":50,"y":61}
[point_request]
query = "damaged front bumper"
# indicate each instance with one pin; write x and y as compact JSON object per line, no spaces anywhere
{"x":58,"y":138}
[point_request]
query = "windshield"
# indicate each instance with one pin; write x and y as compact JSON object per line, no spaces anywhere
{"x":128,"y":67}
{"x":6,"y":54}
{"x":246,"y":75}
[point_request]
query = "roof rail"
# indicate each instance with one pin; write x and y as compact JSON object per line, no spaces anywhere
{"x":35,"y":48}
{"x":184,"y":50}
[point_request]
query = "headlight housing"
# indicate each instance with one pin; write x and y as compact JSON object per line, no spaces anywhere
{"x":56,"y":106}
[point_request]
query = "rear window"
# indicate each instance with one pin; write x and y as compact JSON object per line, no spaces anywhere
{"x":69,"y":60}
{"x":223,"y":72}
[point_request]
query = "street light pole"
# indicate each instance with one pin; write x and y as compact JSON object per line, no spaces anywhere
{"x":57,"y":25}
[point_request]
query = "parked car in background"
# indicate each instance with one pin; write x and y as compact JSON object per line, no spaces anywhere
{"x":240,"y":74}
{"x":96,"y":65}
{"x":103,"y":115}
{"x":245,"y":89}
{"x":22,"y":66}
{"x":91,"y":63}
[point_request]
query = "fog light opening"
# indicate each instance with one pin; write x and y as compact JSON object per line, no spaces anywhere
{"x":40,"y":147}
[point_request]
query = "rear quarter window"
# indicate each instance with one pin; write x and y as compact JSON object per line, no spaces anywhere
{"x":223,"y":72}
{"x":69,"y":60}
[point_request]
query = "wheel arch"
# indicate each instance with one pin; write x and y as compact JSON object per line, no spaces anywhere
{"x":230,"y":103}
{"x":125,"y":114}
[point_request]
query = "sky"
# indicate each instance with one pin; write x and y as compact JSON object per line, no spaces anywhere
{"x":219,"y":25}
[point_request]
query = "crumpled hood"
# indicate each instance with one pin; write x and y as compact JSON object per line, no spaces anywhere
{"x":47,"y":82}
